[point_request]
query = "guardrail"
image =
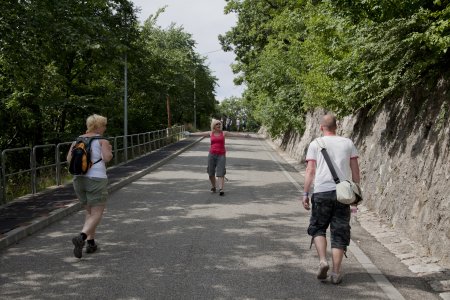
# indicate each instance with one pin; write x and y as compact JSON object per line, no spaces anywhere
{"x":48,"y":165}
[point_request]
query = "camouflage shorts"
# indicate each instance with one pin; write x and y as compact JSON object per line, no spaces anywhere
{"x":327,"y":211}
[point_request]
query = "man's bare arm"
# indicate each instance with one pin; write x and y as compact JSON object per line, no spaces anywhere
{"x":310,"y":173}
{"x":354,"y":166}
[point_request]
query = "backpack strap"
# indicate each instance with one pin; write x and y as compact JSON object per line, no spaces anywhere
{"x":88,"y":141}
{"x":97,"y":161}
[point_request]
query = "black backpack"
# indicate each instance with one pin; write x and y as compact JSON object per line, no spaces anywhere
{"x":81,"y":161}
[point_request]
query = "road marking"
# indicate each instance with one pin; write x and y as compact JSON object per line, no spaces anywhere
{"x":381,"y":280}
{"x":375,"y":273}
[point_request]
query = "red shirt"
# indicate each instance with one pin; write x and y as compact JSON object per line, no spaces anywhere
{"x":217,"y":144}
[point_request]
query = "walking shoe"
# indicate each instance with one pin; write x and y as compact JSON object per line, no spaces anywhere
{"x":213,"y":189}
{"x":91,"y":248}
{"x":323,"y":269}
{"x":221,"y":192}
{"x":336,"y":278}
{"x":78,"y":242}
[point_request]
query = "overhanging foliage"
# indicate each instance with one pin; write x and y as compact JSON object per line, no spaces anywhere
{"x":61,"y":61}
{"x":339,"y":55}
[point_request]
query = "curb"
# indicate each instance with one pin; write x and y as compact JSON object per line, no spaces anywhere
{"x":437,"y":276}
{"x":17,"y":234}
{"x":426,"y":267}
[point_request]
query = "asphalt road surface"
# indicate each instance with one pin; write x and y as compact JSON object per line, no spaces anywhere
{"x":166,"y":236}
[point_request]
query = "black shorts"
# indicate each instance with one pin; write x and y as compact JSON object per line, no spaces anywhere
{"x":327,"y":211}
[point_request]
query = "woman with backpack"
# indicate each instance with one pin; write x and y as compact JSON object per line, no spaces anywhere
{"x":90,"y":182}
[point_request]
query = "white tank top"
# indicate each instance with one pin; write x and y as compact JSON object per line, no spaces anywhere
{"x":97,"y":170}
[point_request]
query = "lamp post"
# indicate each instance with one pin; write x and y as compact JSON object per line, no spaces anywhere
{"x":125,"y":110}
{"x":195,"y":106}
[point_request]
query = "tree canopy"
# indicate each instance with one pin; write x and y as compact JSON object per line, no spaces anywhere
{"x":61,"y":61}
{"x":340,"y":55}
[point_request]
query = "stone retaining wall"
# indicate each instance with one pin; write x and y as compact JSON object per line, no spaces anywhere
{"x":405,"y":164}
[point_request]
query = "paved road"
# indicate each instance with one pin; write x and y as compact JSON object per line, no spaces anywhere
{"x":165,"y":236}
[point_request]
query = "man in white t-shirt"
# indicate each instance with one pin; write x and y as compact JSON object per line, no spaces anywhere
{"x":326,"y":210}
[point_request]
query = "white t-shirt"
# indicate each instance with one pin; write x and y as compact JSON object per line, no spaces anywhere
{"x":340,"y":150}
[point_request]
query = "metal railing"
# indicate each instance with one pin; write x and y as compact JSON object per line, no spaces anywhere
{"x":48,"y":165}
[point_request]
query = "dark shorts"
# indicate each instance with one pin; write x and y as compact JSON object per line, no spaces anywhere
{"x":216,"y":165}
{"x":327,"y":211}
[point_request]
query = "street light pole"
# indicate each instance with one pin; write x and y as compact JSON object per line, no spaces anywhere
{"x":125,"y":111}
{"x":195,"y":107}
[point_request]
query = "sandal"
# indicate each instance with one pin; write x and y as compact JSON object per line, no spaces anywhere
{"x":213,"y":189}
{"x":221,"y":192}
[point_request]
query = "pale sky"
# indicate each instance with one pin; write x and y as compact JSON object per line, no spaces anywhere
{"x":205,"y":20}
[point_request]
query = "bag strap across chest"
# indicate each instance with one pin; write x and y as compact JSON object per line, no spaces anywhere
{"x":327,"y":158}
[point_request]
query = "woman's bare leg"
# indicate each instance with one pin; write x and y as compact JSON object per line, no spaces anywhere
{"x":93,"y":217}
{"x":213,"y":181}
{"x":221,"y":182}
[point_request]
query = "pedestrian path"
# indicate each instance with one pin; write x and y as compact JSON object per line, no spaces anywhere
{"x":164,"y":235}
{"x":25,"y":216}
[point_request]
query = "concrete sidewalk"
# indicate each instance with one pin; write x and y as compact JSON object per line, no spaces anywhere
{"x":31,"y":213}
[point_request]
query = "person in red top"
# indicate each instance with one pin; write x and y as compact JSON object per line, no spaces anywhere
{"x":217,"y":153}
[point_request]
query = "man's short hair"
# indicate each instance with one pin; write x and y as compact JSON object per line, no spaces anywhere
{"x":329,"y":121}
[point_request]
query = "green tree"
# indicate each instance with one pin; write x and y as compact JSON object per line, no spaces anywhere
{"x":60,"y":61}
{"x":234,"y":107}
{"x":63,"y":60}
{"x":339,"y":55}
{"x":167,"y":67}
{"x":266,"y":41}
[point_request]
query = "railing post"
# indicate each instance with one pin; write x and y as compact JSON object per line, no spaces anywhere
{"x":2,"y":182}
{"x":58,"y":165}
{"x":167,"y":136}
{"x":33,"y":170}
{"x":125,"y":148}
{"x":116,"y":152}
{"x":3,"y":176}
{"x":139,"y":144}
{"x":158,"y":138}
{"x":132,"y":147}
{"x":152,"y":138}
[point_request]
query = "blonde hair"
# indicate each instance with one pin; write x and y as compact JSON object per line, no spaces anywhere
{"x":213,"y":123}
{"x":95,"y":121}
